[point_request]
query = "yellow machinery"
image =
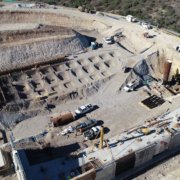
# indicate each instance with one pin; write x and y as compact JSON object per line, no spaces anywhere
{"x":101,"y":138}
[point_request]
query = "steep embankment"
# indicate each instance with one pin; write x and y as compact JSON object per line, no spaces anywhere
{"x":22,"y":47}
{"x":44,"y":17}
{"x":35,"y":51}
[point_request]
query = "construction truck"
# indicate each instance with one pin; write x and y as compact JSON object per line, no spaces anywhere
{"x":131,"y":86}
{"x":178,"y":48}
{"x":130,"y":18}
{"x":86,"y":9}
{"x":96,"y":45}
{"x":92,"y":133}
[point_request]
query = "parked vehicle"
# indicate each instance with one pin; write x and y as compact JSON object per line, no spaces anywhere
{"x":86,"y":125}
{"x":84,"y":109}
{"x":147,"y":35}
{"x":146,"y":25}
{"x":134,"y":19}
{"x":92,"y":133}
{"x":96,"y":45}
{"x":128,"y":87}
{"x":178,"y":48}
{"x":118,"y":35}
{"x":108,"y":40}
{"x":130,"y":18}
{"x":131,"y":86}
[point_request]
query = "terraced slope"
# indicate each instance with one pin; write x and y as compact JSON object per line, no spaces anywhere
{"x":20,"y":48}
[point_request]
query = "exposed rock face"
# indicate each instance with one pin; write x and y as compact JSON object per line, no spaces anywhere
{"x":40,"y":50}
{"x":141,"y":68}
{"x":45,"y":41}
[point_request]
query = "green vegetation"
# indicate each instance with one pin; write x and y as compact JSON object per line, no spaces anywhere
{"x":8,"y":1}
{"x":163,"y":13}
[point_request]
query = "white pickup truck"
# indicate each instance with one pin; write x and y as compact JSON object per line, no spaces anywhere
{"x":92,"y":133}
{"x":84,"y":109}
{"x":108,"y":40}
{"x":146,"y":25}
{"x":131,"y":86}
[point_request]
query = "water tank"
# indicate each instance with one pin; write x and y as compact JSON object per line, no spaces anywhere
{"x":62,"y":118}
{"x":166,"y":71}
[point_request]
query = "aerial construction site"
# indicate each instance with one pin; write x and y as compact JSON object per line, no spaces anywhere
{"x":87,"y":96}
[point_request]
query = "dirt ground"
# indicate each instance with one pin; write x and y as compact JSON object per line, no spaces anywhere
{"x":168,"y":169}
{"x":118,"y":110}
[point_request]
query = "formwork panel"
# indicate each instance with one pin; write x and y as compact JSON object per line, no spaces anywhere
{"x":108,"y":171}
{"x":125,"y":163}
{"x":163,"y":144}
{"x":174,"y":142}
{"x":145,"y":154}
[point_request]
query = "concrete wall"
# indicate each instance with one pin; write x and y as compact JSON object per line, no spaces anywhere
{"x":162,"y":145}
{"x":174,"y":140}
{"x":108,"y":171}
{"x":145,"y":154}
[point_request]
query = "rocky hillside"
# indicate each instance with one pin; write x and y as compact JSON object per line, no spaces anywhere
{"x":164,"y":13}
{"x":33,"y":51}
